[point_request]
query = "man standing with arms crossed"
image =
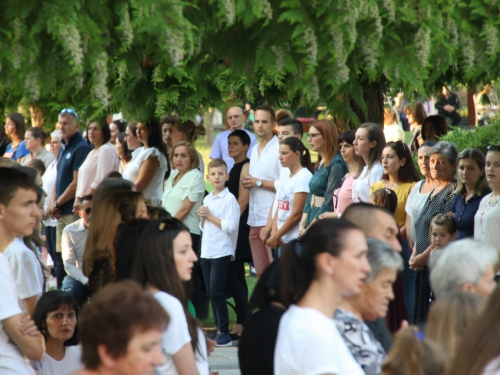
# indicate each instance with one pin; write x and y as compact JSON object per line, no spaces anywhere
{"x":264,"y":171}
{"x":73,"y":153}
{"x":235,"y":120}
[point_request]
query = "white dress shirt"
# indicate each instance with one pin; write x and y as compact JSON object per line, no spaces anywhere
{"x":73,"y":244}
{"x":263,"y":166}
{"x":220,"y":242}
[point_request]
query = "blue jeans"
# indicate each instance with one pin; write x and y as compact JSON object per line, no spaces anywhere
{"x":76,"y":289}
{"x":215,"y":276}
{"x":408,"y":282}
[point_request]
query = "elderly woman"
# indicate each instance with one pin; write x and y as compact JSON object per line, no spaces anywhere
{"x":149,"y":163}
{"x":99,"y":162}
{"x":442,"y":162}
{"x":371,"y":304}
{"x":471,"y":188}
{"x":393,"y":131}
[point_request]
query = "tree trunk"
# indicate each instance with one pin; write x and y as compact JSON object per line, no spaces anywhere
{"x":471,"y":108}
{"x":37,"y":116}
{"x":209,"y":129}
{"x":374,"y":98}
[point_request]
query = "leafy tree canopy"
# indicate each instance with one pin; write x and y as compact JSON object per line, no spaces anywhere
{"x":146,"y":58}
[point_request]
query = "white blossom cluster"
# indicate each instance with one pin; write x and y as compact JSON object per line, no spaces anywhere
{"x":122,"y":70}
{"x":279,"y":58}
{"x":311,"y":45}
{"x":452,"y":30}
{"x":423,"y":45}
{"x":157,"y":74}
{"x":31,"y":86}
{"x":230,"y":11}
{"x":128,"y":33}
{"x":267,"y":9}
{"x":17,"y":52}
{"x":79,"y":81}
{"x":350,"y":18}
{"x":175,"y":40}
{"x":262,"y":85}
{"x":370,"y":52}
{"x":72,"y":42}
{"x":314,"y":89}
{"x":152,"y":8}
{"x":375,"y":14}
{"x":100,"y":88}
{"x":342,"y":74}
{"x":17,"y":27}
{"x":491,"y":35}
{"x":468,"y":51}
{"x":396,"y":71}
{"x":390,"y":7}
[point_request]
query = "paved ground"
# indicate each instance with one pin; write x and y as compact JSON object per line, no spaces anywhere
{"x":225,"y":360}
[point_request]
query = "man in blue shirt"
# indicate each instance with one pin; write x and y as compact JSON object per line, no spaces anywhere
{"x":73,"y":153}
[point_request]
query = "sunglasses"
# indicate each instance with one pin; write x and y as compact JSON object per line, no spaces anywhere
{"x":88,"y":210}
{"x":69,"y":110}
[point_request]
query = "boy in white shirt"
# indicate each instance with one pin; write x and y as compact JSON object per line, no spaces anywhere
{"x":220,"y":218}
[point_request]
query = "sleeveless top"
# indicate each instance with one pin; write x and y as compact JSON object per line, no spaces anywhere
{"x":243,"y":252}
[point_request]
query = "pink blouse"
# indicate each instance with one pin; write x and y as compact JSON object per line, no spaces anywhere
{"x":342,"y":197}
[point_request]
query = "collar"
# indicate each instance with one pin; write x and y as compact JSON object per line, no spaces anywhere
{"x":80,"y":225}
{"x":271,"y":142}
{"x":222,"y":194}
{"x":74,"y":138}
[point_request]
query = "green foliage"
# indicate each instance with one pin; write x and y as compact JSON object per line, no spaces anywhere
{"x":480,"y":137}
{"x":148,"y":57}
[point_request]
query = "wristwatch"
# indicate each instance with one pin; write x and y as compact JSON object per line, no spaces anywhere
{"x":56,"y":205}
{"x":258,"y":183}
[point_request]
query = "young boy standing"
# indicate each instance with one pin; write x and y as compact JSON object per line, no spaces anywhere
{"x":220,"y":217}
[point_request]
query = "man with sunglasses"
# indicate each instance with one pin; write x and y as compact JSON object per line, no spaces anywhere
{"x":74,"y":237}
{"x":73,"y":153}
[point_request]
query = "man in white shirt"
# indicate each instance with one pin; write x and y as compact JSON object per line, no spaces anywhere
{"x":18,"y":216}
{"x":235,"y":120}
{"x":73,"y":245}
{"x":264,"y":171}
{"x":34,"y":138}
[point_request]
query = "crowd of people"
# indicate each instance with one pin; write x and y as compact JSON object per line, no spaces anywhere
{"x":365,"y":264}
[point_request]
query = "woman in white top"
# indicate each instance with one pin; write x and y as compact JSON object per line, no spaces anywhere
{"x":291,"y":192}
{"x":368,"y":144}
{"x":149,"y":163}
{"x":487,"y":219}
{"x":163,"y":264}
{"x":393,"y":131}
{"x":327,"y":263}
{"x":56,"y":315}
{"x":99,"y":162}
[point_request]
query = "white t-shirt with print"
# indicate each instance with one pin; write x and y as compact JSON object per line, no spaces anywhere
{"x":49,"y":366}
{"x":11,"y":359}
{"x":26,"y":270}
{"x":309,"y":343}
{"x":286,"y":187}
{"x":177,"y":334}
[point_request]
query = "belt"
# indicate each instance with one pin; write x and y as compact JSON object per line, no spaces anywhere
{"x":317,"y":201}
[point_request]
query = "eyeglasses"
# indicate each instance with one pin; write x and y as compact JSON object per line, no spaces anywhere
{"x":69,"y":110}
{"x":88,"y":210}
{"x":313,"y":135}
{"x":54,"y":143}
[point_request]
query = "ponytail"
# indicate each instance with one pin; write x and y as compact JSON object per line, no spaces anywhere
{"x":295,"y":145}
{"x":298,"y":262}
{"x":191,"y":130}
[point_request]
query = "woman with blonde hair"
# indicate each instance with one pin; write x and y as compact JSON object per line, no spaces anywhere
{"x":113,"y":209}
{"x":328,"y":175}
{"x":414,"y":354}
{"x":450,"y":317}
{"x":392,"y":129}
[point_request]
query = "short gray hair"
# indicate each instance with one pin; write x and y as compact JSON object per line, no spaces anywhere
{"x":381,"y":255}
{"x":460,"y":262}
{"x":55,"y":133}
{"x":448,"y":149}
{"x":73,"y":118}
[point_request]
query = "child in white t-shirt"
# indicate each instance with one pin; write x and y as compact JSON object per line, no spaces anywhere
{"x":291,"y":192}
{"x":220,"y":218}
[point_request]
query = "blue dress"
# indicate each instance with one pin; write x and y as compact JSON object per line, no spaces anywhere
{"x":16,"y":152}
{"x":464,"y":212}
{"x":323,"y":183}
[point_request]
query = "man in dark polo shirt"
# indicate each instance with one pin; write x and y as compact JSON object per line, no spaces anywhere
{"x":73,"y":153}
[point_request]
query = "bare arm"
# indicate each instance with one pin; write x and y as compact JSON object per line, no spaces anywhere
{"x":31,"y":345}
{"x":147,"y":172}
{"x":250,"y":182}
{"x":184,"y":209}
{"x":407,"y":227}
{"x":70,"y":191}
{"x":299,"y":200}
{"x":184,"y":361}
{"x":243,"y":194}
{"x":30,"y":304}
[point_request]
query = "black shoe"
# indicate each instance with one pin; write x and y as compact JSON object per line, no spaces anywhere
{"x":234,"y":336}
